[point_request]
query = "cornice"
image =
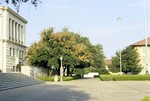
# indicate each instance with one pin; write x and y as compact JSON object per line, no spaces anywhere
{"x":14,"y":13}
{"x":11,"y":42}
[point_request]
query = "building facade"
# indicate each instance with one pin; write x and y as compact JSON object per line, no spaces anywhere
{"x":12,"y":39}
{"x":141,"y":49}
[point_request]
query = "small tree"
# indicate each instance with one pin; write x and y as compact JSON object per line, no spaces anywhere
{"x":130,"y":61}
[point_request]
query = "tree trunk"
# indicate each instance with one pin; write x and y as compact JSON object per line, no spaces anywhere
{"x":58,"y":71}
{"x":50,"y":72}
{"x":68,"y":70}
{"x":72,"y":71}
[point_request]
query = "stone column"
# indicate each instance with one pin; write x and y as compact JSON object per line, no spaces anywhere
{"x":17,"y":32}
{"x":19,"y":29}
{"x":21,"y":35}
{"x":12,"y":30}
{"x":24,"y":38}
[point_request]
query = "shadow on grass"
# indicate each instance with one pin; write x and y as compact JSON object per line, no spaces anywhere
{"x":44,"y":92}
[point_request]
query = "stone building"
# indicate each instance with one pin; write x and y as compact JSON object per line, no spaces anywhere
{"x":12,"y":39}
{"x":141,"y":49}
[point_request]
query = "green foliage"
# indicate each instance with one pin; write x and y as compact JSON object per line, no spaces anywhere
{"x":101,"y":70}
{"x":112,"y":68}
{"x":77,"y":77}
{"x":17,"y":3}
{"x":46,"y":78}
{"x":65,"y":78}
{"x":51,"y":79}
{"x":77,"y":51}
{"x":130,"y":61}
{"x":97,"y":59}
{"x":78,"y":71}
{"x":147,"y":98}
{"x":124,"y":77}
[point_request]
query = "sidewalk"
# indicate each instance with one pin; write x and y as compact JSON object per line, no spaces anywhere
{"x":110,"y":90}
{"x":80,"y":90}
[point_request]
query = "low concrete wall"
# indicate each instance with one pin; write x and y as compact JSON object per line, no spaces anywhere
{"x":33,"y":71}
{"x":91,"y":75}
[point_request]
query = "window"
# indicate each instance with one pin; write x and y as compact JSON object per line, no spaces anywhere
{"x":13,"y":52}
{"x":18,"y":33}
{"x":19,"y":53}
{"x":10,"y":29}
{"x":9,"y":51}
{"x":15,"y":31}
{"x":22,"y":54}
{"x":21,"y":34}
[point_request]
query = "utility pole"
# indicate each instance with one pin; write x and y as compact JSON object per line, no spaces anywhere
{"x":118,"y":20}
{"x":146,"y":31}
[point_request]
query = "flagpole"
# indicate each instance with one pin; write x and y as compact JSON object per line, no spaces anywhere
{"x":145,"y":31}
{"x":119,"y":19}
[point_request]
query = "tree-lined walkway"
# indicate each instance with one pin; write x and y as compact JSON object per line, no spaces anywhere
{"x":80,"y":90}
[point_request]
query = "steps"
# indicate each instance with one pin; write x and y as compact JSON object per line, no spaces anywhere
{"x":16,"y":80}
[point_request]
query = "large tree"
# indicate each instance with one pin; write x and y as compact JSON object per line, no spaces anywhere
{"x":130,"y":61}
{"x":77,"y":51}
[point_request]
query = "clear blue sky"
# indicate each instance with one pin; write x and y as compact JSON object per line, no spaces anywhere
{"x":95,"y":19}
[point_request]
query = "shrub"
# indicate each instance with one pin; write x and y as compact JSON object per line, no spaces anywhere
{"x":147,"y":98}
{"x":78,"y":71}
{"x":77,"y":77}
{"x":67,"y":78}
{"x":124,"y":77}
{"x":47,"y":78}
{"x":101,"y":70}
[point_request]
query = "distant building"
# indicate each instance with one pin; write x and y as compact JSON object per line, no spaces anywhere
{"x":12,"y":39}
{"x":140,"y":46}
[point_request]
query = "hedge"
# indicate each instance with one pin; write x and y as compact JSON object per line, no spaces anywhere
{"x":65,"y":78}
{"x":124,"y":77}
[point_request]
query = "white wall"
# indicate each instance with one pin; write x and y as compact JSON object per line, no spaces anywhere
{"x":6,"y":61}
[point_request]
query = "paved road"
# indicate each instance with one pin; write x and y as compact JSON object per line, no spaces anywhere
{"x":80,"y":90}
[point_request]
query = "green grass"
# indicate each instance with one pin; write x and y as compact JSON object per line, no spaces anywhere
{"x":46,"y":78}
{"x":66,"y":78}
{"x":124,"y":77}
{"x":147,"y":98}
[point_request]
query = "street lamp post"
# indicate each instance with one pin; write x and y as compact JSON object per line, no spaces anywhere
{"x":118,"y":20}
{"x":61,"y":69}
{"x":145,"y":31}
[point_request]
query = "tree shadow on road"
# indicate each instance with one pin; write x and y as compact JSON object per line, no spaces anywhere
{"x":44,"y":92}
{"x":66,"y":93}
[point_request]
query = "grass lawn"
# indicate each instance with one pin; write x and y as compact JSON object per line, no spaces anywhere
{"x":124,"y":77}
{"x":65,"y":78}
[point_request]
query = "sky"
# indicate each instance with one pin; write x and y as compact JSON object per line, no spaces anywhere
{"x":95,"y":19}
